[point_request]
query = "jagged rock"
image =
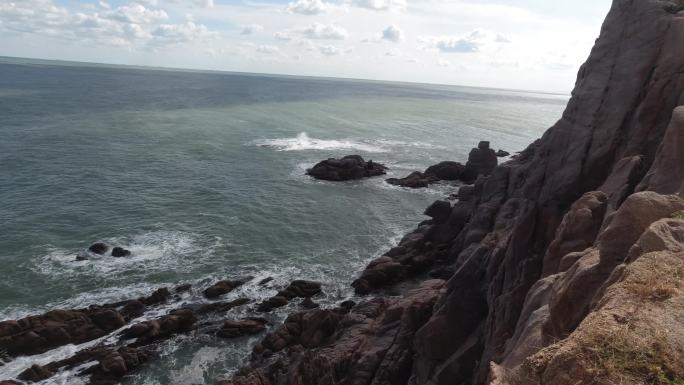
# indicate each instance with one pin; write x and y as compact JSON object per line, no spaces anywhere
{"x":98,"y":248}
{"x":298,"y":288}
{"x":272,"y":303}
{"x":118,"y":363}
{"x":160,"y":295}
{"x":501,"y":153}
{"x":38,"y":334}
{"x":178,"y":321}
{"x":481,"y":161}
{"x":234,"y":328}
{"x":663,"y":235}
{"x":415,"y":179}
{"x":119,"y":252}
{"x":183,"y":288}
{"x":222,"y":287}
{"x":348,"y":168}
{"x":265,"y":281}
{"x":373,"y":342}
{"x":666,"y":175}
{"x":577,"y":231}
{"x":446,"y":170}
{"x":35,"y":373}
{"x":439,"y":211}
{"x":308,"y":303}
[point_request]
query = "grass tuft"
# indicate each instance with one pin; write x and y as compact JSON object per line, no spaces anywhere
{"x":678,"y":214}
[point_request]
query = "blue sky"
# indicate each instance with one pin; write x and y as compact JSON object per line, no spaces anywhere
{"x":525,"y":44}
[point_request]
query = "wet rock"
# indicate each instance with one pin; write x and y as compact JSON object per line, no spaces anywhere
{"x":178,"y":321}
{"x":38,"y":334}
{"x":183,"y":288}
{"x":98,"y":248}
{"x":239,"y":328}
{"x":9,"y":382}
{"x":301,"y":288}
{"x":439,"y":211}
{"x":35,"y":373}
{"x":501,"y":153}
{"x":272,"y":303}
{"x":308,"y":303}
{"x":348,"y":168}
{"x":222,"y":287}
{"x":265,"y":281}
{"x":118,"y":363}
{"x":160,"y":295}
{"x":481,"y":161}
{"x":415,"y":179}
{"x":119,"y":252}
{"x":446,"y":170}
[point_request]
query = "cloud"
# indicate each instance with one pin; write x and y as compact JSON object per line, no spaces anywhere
{"x":166,"y":34}
{"x":393,"y":34}
{"x":325,"y":32}
{"x":268,"y":49}
{"x":381,"y":5}
{"x":136,"y":13}
{"x":251,"y":29}
{"x":475,"y":41}
{"x":308,"y":7}
{"x":329,"y":50}
{"x":283,"y":36}
{"x":393,"y":52}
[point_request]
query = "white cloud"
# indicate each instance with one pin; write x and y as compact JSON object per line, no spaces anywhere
{"x":324,"y":31}
{"x":283,"y":36}
{"x":166,"y":34}
{"x":136,"y":13}
{"x":329,"y":50}
{"x":251,"y":29}
{"x":392,"y":33}
{"x":475,"y":41}
{"x":308,"y":7}
{"x":381,"y":5}
{"x":268,"y":49}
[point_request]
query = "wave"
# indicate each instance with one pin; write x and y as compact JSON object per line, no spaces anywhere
{"x":303,"y":142}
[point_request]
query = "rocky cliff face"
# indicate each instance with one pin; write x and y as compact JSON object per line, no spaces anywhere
{"x":548,"y":241}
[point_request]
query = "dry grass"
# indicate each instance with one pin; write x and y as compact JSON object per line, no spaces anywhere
{"x":678,"y":214}
{"x":631,"y":356}
{"x":656,"y":284}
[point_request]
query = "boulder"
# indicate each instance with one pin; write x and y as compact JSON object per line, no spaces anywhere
{"x":98,"y":248}
{"x":501,"y":153}
{"x":348,"y":168}
{"x":481,"y":161}
{"x":183,"y":288}
{"x":439,"y":211}
{"x":178,"y":321}
{"x":415,"y":179}
{"x":239,"y":328}
{"x":446,"y":170}
{"x":35,"y":373}
{"x":308,"y":303}
{"x":119,"y":252}
{"x":222,"y":287}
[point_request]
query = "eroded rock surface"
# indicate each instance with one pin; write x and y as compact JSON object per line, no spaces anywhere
{"x":348,"y":168}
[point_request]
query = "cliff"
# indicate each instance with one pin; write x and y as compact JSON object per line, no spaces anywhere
{"x":538,"y":258}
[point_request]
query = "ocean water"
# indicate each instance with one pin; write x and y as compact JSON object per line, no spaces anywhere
{"x":201,"y":176}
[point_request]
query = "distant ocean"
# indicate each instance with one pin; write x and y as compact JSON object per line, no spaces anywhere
{"x":201,"y":176}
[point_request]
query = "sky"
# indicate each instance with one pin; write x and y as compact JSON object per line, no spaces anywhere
{"x":524,"y":44}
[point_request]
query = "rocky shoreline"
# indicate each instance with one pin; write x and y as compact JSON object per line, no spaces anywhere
{"x":562,"y":266}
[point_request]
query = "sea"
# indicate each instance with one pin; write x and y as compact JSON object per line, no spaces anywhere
{"x":201,"y":175}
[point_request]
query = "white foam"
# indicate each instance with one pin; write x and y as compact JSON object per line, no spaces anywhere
{"x":304,"y":142}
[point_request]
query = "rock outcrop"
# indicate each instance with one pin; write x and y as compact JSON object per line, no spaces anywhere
{"x":348,"y":168}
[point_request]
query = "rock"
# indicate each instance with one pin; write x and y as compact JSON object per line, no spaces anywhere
{"x":481,"y":161}
{"x":98,"y":248}
{"x":663,"y":235}
{"x":501,"y":153}
{"x":178,"y":321}
{"x":301,"y":288}
{"x":183,"y":288}
{"x":222,"y":287}
{"x":160,"y":295}
{"x":9,"y":382}
{"x":38,"y":334}
{"x":308,"y":303}
{"x":119,"y":252}
{"x":439,"y":211}
{"x":82,"y":257}
{"x":249,"y":326}
{"x":666,"y":175}
{"x":117,"y":364}
{"x":348,"y":168}
{"x":265,"y":281}
{"x":272,"y":303}
{"x":446,"y":170}
{"x":414,"y":180}
{"x":35,"y":373}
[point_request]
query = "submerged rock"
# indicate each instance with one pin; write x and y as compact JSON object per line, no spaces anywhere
{"x":501,"y":153}
{"x":415,"y":179}
{"x":348,"y":168}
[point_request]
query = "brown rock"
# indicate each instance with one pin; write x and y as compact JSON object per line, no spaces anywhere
{"x":235,"y":328}
{"x":222,"y":287}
